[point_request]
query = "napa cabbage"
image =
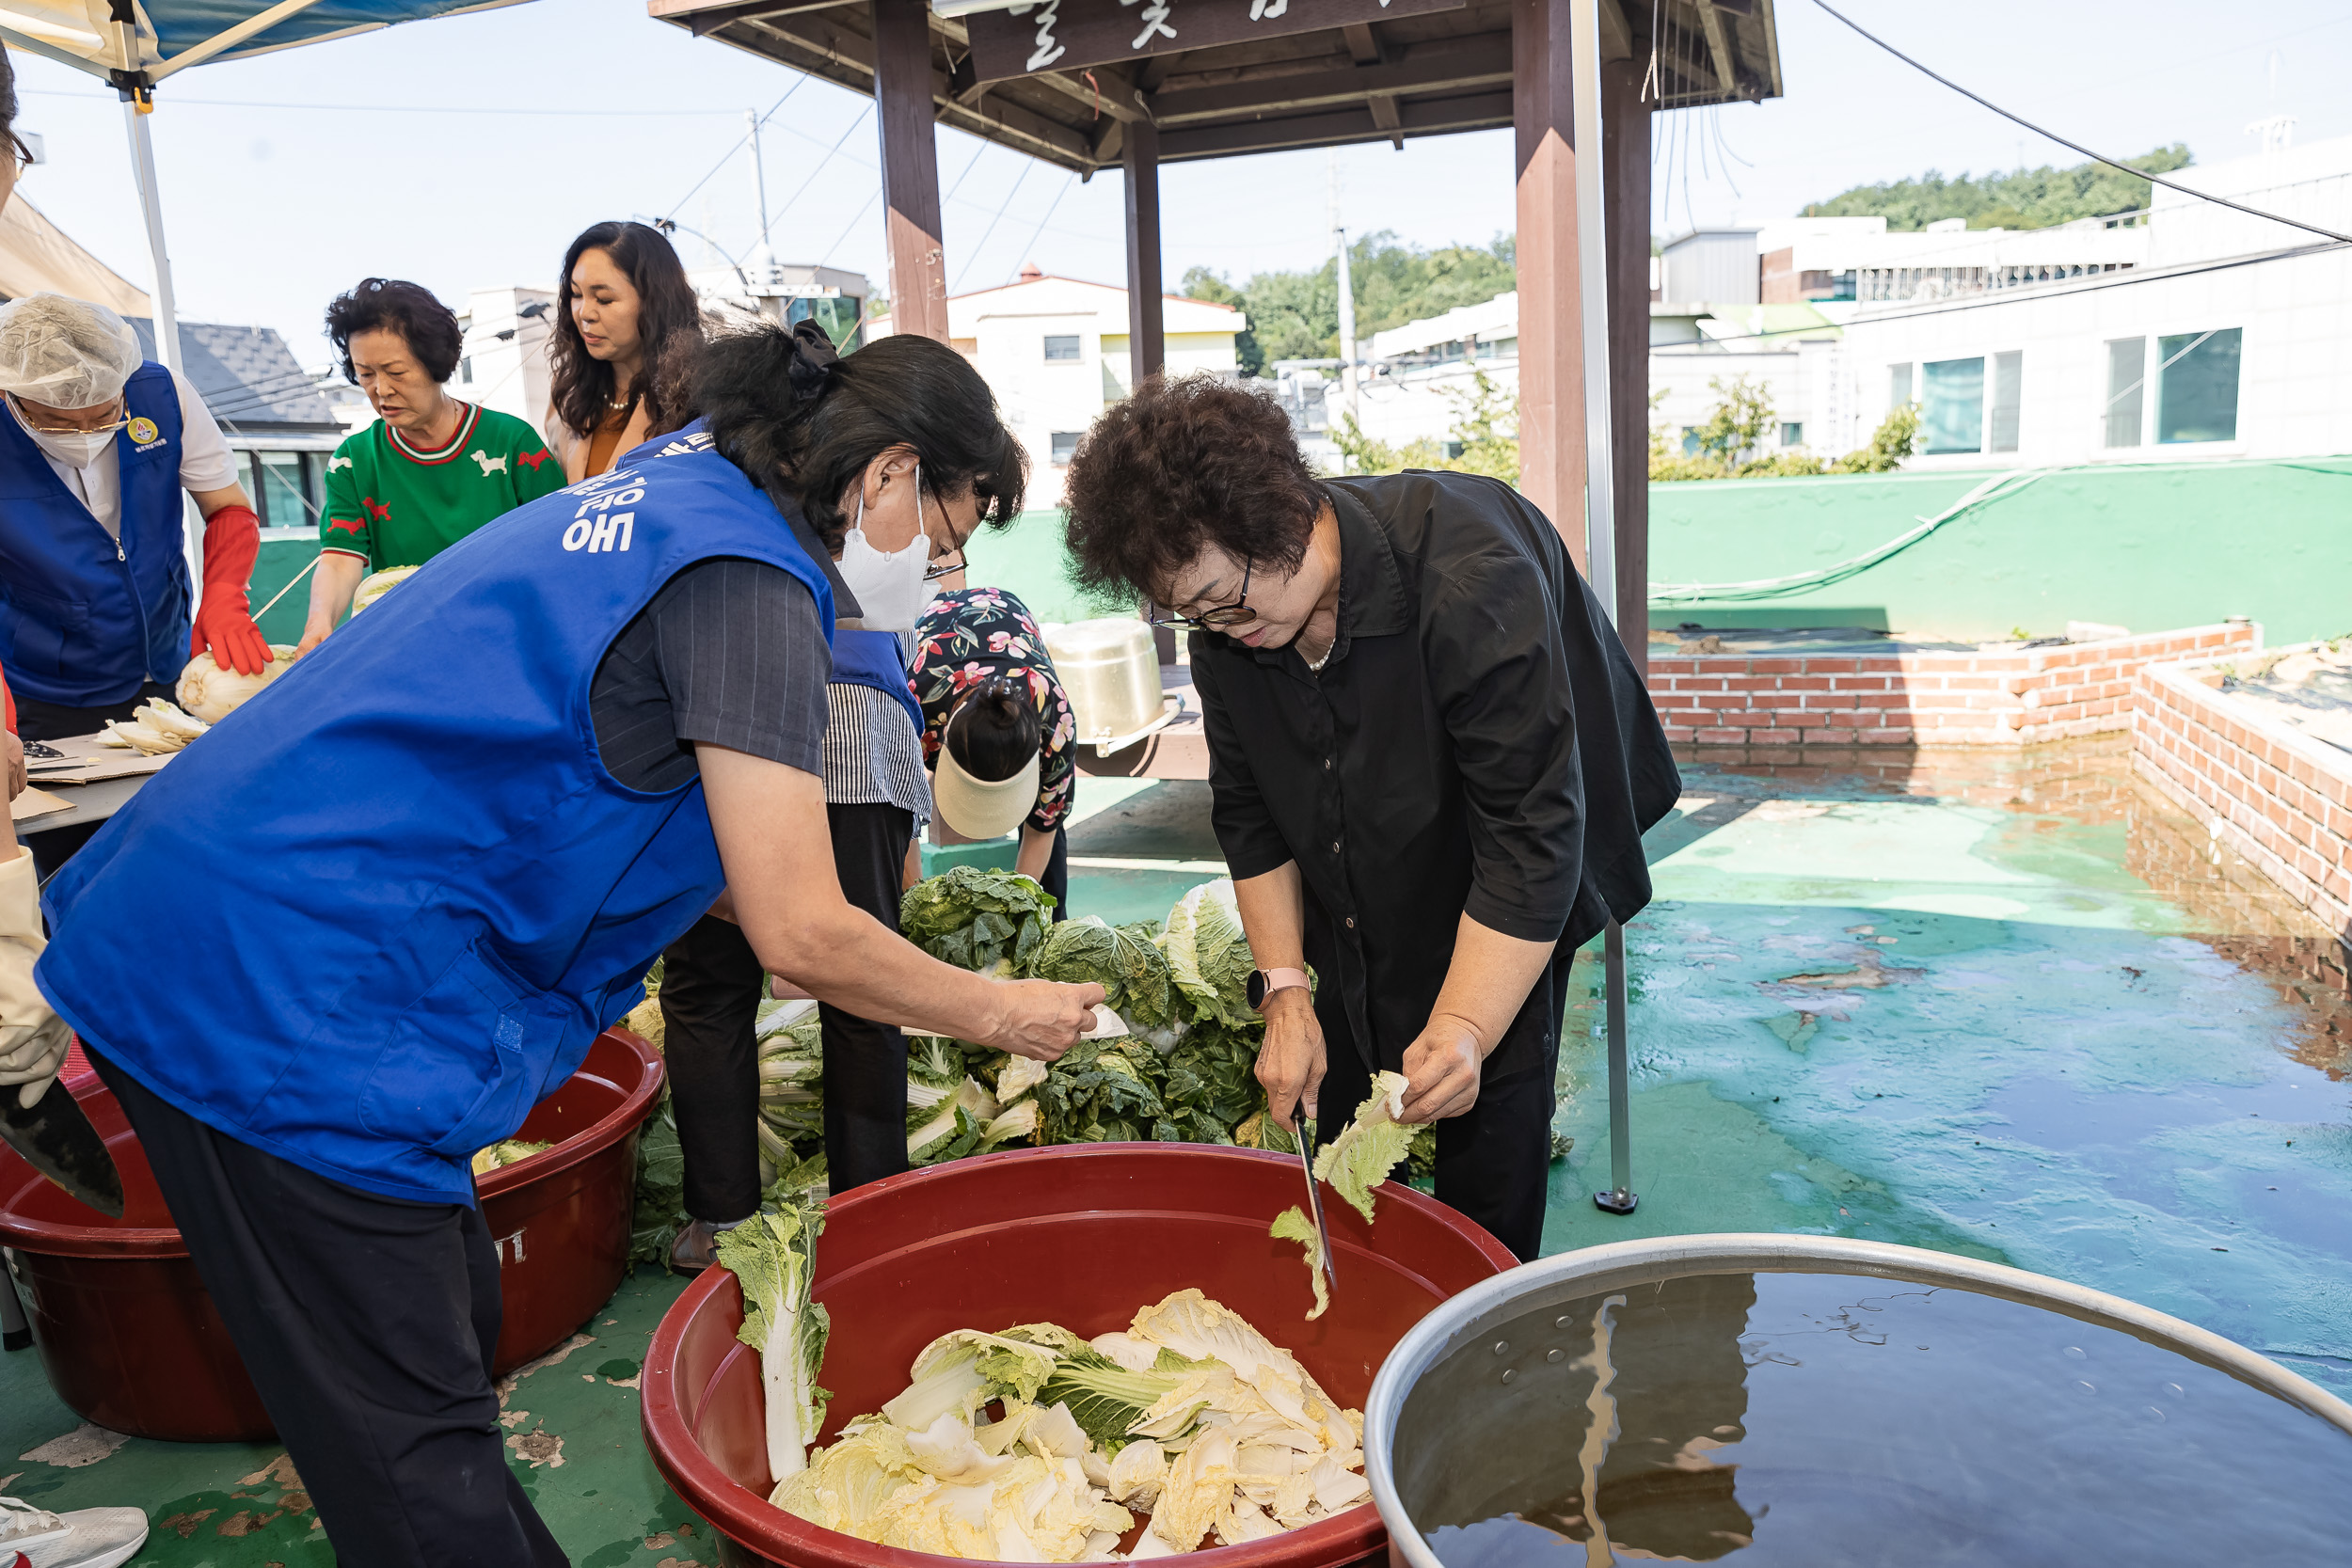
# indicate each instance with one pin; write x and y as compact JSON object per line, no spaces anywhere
{"x":1291,"y":1224}
{"x":985,"y":921}
{"x":772,"y":1257}
{"x":1208,"y":953}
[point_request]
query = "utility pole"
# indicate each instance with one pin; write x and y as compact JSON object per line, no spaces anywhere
{"x":1347,"y":301}
{"x":759,"y":173}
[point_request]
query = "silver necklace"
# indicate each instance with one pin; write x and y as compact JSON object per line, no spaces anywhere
{"x":1314,"y":666}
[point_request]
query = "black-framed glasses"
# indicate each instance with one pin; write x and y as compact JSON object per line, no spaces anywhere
{"x":947,"y":566}
{"x":1221,"y":615}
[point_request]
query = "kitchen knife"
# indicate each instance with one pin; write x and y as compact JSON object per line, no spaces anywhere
{"x":1314,"y":1198}
{"x":57,"y":1139}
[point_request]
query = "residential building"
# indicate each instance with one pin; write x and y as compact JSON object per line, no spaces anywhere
{"x":1055,"y":350}
{"x":2232,"y":338}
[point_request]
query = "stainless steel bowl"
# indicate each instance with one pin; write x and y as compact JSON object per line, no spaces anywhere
{"x":1111,"y":670}
{"x":1426,"y":1450}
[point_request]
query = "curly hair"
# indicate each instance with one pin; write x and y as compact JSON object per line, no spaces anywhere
{"x":1181,"y":466}
{"x":428,"y":326}
{"x":804,"y":424}
{"x":669,"y":324}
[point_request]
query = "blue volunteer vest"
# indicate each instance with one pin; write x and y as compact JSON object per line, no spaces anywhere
{"x":367,"y":921}
{"x":860,"y":658}
{"x":84,"y":621}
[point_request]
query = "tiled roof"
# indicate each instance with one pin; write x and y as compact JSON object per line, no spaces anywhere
{"x":247,"y":377}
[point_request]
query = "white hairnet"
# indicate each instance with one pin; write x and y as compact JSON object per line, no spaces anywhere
{"x":66,"y":352}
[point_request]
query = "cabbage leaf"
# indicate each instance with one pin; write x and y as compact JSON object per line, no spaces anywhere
{"x":989,"y":922}
{"x":1291,"y":1224}
{"x":772,"y":1257}
{"x":1123,"y":960}
{"x":1369,"y":1147}
{"x":1208,"y":955}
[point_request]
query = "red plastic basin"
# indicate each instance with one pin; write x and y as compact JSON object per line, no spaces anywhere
{"x":1078,"y":1236}
{"x":130,"y":1338}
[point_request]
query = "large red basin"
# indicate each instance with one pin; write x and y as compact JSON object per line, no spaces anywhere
{"x":1079,"y":1236}
{"x":130,"y":1338}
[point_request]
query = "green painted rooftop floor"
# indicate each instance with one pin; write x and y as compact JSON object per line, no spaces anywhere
{"x":2006,"y":1005}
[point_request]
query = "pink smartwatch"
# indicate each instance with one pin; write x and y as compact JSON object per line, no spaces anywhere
{"x":1265,"y":982}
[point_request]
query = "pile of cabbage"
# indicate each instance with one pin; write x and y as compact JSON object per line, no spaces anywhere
{"x":1190,"y":1423}
{"x":1184,"y":1072}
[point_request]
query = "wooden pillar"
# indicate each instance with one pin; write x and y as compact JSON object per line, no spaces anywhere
{"x":1626,"y":194}
{"x":1147,"y":341}
{"x":1551,"y":344}
{"x":910,"y":167}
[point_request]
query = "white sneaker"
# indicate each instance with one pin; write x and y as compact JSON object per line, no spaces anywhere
{"x":84,"y":1538}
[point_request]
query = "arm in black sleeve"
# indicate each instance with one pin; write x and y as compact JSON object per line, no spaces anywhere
{"x":1499,"y":668}
{"x":1245,"y":832}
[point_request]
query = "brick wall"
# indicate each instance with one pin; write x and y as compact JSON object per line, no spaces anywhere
{"x":1916,"y":699}
{"x":2273,"y":795}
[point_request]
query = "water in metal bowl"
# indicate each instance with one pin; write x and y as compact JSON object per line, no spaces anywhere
{"x":1828,"y":1418}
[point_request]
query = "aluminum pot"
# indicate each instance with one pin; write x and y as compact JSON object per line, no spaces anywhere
{"x":1111,"y":670}
{"x":1406,"y":1458}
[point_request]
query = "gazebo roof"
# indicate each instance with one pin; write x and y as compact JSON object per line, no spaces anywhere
{"x":1417,"y":68}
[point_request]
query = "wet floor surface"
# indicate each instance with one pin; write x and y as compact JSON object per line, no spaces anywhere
{"x":2007,"y":1005}
{"x":2012,"y":1007}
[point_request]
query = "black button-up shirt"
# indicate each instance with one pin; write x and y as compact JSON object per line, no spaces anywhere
{"x":1477,"y":742}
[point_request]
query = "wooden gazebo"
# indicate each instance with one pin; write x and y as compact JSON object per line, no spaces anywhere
{"x":1093,"y":84}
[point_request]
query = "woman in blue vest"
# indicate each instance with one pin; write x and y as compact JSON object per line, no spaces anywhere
{"x":96,"y":447}
{"x":900,"y":536}
{"x":418,"y":872}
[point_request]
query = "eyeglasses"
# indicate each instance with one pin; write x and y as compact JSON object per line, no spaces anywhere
{"x":944,"y":568}
{"x":25,"y":419}
{"x":1222,"y":616}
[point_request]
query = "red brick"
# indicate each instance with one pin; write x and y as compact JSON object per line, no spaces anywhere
{"x":1776,"y":666}
{"x":1889,"y":736}
{"x":1722,"y":738}
{"x":1805,"y":683}
{"x":1752,"y":683}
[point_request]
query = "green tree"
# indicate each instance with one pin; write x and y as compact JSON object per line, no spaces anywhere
{"x":1296,"y":315}
{"x":1737,"y":424}
{"x":2021,"y":198}
{"x":1894,"y":440}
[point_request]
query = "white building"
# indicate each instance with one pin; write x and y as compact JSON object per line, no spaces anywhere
{"x":1054,"y":352}
{"x":2233,"y":338}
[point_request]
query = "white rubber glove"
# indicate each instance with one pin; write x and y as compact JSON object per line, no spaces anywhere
{"x":33,"y":1039}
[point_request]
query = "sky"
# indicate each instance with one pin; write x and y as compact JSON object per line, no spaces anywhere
{"x":465,"y":152}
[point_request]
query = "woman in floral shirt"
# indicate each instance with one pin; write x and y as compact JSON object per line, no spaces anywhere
{"x":968,"y":639}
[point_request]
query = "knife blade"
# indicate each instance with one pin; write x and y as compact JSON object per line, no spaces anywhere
{"x":1314,"y":1199}
{"x":57,"y":1139}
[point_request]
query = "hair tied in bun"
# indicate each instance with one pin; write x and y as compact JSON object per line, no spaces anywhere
{"x":813,"y":360}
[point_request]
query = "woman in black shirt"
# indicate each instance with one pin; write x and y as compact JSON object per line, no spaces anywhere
{"x":1432,"y":762}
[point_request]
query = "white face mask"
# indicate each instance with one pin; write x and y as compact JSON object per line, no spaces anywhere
{"x":75,"y":448}
{"x":890,"y":588}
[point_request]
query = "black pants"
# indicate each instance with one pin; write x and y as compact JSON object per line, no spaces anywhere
{"x":1494,"y":1161}
{"x":710,"y":990}
{"x":368,"y":1325}
{"x":39,"y":721}
{"x":1056,"y":878}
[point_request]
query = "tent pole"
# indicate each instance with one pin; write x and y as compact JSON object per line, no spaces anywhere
{"x":167,"y":316}
{"x":1600,"y":518}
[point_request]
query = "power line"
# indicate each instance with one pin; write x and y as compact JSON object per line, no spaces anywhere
{"x":1068,"y":186}
{"x":965,"y":271}
{"x":2075,"y":146}
{"x":815,"y":172}
{"x":386,"y":108}
{"x":797,"y":83}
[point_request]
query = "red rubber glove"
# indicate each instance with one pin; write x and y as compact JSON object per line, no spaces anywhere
{"x":232,"y":538}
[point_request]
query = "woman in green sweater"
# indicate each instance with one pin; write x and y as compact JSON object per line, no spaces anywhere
{"x":431,"y":469}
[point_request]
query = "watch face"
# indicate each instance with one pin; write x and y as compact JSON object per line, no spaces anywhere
{"x":1257,"y":988}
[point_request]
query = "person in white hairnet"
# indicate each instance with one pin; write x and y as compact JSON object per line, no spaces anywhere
{"x":97,"y":443}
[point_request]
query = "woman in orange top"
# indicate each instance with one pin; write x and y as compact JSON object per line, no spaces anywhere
{"x":621,"y":362}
